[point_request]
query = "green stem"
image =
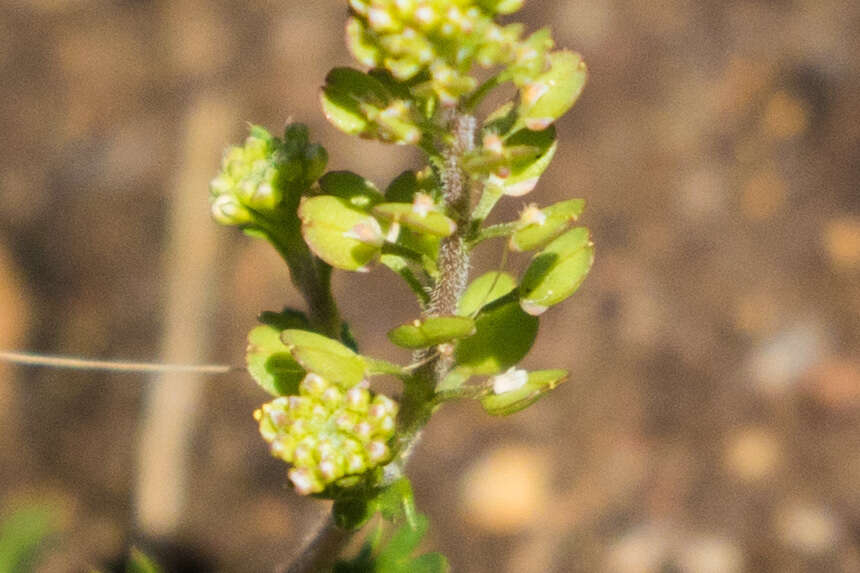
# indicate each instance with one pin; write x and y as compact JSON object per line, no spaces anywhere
{"x":310,"y":275}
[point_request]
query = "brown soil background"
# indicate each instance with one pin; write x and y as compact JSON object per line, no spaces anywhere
{"x":711,"y":420}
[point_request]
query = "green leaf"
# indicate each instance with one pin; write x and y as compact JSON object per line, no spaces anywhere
{"x":351,"y":513}
{"x":140,"y":562}
{"x":504,"y":334}
{"x":432,"y":222}
{"x":345,"y":95}
{"x":270,"y":363}
{"x":287,"y":318}
{"x":403,"y":188}
{"x":401,"y":545}
{"x":552,"y":93}
{"x":557,"y":271}
{"x":430,"y":563}
{"x":484,"y":290}
{"x":432,"y":331}
{"x":539,"y":383}
{"x":359,"y":191}
{"x":556,"y":219}
{"x":397,"y":503}
{"x":329,"y":227}
{"x":325,"y":357}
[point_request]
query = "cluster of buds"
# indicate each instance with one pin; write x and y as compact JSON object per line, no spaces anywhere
{"x":442,"y":37}
{"x":256,"y":177}
{"x":328,"y":433}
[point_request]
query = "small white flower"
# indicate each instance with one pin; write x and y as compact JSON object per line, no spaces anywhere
{"x":422,"y":204}
{"x":512,"y":379}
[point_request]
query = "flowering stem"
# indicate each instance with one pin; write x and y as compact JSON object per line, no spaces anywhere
{"x":418,"y":403}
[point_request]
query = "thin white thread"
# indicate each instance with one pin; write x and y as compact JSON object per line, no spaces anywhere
{"x":32,"y":359}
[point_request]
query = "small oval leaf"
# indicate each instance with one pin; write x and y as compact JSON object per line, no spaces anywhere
{"x":539,"y":383}
{"x":556,"y":272}
{"x":551,"y":94}
{"x":326,"y":357}
{"x":503,"y":336}
{"x":331,"y":227}
{"x":432,"y":331}
{"x":270,"y":363}
{"x":484,"y":290}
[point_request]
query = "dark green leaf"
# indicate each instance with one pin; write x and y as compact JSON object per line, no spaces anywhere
{"x":360,"y":192}
{"x":504,"y":334}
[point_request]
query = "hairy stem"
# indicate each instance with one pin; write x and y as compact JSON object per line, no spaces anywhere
{"x":417,"y":403}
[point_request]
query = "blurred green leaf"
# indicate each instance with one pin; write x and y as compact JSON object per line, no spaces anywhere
{"x":23,"y":534}
{"x":270,"y":363}
{"x":557,"y":271}
{"x":344,"y":96}
{"x":325,"y":357}
{"x":139,"y":562}
{"x":539,"y":383}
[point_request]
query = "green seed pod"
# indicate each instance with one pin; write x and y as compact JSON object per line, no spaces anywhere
{"x":324,"y":436}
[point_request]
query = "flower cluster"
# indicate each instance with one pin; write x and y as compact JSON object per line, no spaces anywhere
{"x":442,"y":37}
{"x":327,"y":433}
{"x":256,"y":177}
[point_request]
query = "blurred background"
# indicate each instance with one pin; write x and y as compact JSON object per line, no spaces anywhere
{"x":711,"y":420}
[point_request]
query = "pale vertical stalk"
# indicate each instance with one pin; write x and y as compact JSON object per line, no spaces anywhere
{"x":172,"y":399}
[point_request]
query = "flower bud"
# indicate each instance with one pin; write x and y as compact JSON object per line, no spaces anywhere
{"x":327,"y":434}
